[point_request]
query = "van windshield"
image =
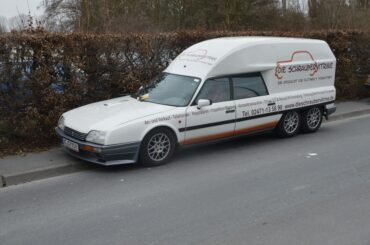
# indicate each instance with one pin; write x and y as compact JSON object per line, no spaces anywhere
{"x":169,"y":89}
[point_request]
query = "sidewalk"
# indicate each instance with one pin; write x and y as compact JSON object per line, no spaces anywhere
{"x":32,"y":166}
{"x":351,"y":109}
{"x":19,"y":169}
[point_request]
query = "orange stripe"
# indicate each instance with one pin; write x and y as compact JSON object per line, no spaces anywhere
{"x":229,"y":134}
{"x":256,"y":128}
{"x":207,"y":138}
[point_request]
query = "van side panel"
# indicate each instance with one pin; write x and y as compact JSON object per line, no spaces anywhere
{"x":299,"y":67}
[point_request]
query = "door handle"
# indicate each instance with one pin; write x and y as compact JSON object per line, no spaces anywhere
{"x":230,"y":111}
{"x":271,"y":104}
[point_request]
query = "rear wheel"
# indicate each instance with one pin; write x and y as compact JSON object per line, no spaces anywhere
{"x":157,"y":147}
{"x":312,"y":119}
{"x":289,"y":125}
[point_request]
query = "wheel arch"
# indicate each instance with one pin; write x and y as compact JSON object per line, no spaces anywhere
{"x":322,"y":107}
{"x":167,"y":126}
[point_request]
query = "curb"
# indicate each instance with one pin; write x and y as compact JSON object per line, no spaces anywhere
{"x":348,"y":115}
{"x":2,"y":181}
{"x":38,"y":174}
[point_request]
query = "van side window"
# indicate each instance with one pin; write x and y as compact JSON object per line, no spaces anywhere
{"x":216,"y":90}
{"x":248,"y":87}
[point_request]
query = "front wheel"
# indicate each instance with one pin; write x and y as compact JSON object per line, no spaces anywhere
{"x":312,"y":119}
{"x":157,"y":147}
{"x":289,"y":125}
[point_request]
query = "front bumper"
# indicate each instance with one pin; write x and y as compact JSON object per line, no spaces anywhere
{"x":102,"y":154}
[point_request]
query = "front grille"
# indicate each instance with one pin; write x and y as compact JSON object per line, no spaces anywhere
{"x":75,"y":134}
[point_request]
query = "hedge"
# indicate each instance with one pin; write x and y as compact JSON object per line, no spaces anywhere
{"x":43,"y":74}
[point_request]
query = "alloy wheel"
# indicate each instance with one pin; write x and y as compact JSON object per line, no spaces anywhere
{"x":291,"y":122}
{"x":159,"y":147}
{"x":313,"y":117}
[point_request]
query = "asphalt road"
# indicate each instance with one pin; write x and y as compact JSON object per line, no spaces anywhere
{"x":312,"y":189}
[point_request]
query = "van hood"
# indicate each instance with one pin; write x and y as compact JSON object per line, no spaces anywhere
{"x":105,"y":115}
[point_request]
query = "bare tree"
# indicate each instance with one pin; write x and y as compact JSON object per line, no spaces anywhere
{"x":362,"y":4}
{"x":169,"y":15}
{"x":332,"y":14}
{"x":62,"y":15}
{"x":18,"y":23}
{"x":3,"y":24}
{"x":284,"y":5}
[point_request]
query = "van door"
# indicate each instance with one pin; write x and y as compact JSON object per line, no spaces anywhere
{"x":214,"y":121}
{"x":254,"y":109}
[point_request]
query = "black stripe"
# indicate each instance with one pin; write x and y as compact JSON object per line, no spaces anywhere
{"x":207,"y":125}
{"x":246,"y":118}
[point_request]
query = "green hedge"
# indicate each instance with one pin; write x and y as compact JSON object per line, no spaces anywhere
{"x":43,"y":75}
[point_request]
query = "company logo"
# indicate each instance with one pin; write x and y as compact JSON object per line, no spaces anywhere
{"x":283,"y":67}
{"x":195,"y":55}
{"x":199,"y":55}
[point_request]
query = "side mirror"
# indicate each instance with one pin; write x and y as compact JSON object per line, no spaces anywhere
{"x":202,"y":103}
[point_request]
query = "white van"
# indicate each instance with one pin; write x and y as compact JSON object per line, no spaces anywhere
{"x":215,"y":89}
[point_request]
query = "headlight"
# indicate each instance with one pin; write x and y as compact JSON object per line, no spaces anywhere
{"x":61,"y":123}
{"x":96,"y":137}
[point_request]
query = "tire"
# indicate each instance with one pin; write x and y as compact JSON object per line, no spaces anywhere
{"x":157,"y":147}
{"x":289,"y":125}
{"x":312,"y":119}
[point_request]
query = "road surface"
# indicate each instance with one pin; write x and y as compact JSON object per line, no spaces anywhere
{"x":312,"y":189}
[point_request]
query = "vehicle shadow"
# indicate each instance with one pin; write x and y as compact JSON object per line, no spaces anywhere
{"x":194,"y":154}
{"x":243,"y":144}
{"x":224,"y":146}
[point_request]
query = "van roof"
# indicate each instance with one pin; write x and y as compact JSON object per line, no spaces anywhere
{"x":232,"y":55}
{"x":243,"y":39}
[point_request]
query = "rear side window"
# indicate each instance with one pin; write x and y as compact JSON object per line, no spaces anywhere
{"x":248,"y":87}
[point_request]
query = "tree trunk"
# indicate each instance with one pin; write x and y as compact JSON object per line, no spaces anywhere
{"x":284,"y":6}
